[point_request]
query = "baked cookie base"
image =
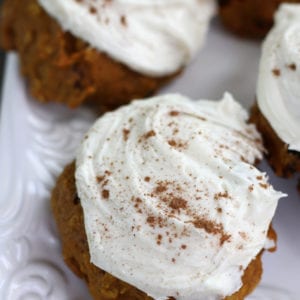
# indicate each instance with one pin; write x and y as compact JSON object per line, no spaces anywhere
{"x":103,"y":286}
{"x":249,"y":18}
{"x":62,"y":68}
{"x":284,"y":162}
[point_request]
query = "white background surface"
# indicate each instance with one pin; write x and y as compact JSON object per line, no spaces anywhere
{"x":36,"y":141}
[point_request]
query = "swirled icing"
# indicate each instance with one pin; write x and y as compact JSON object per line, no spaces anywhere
{"x":172,"y":202}
{"x":278,"y":87}
{"x":153,"y":37}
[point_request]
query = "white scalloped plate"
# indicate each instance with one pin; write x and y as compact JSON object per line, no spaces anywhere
{"x":36,"y":141}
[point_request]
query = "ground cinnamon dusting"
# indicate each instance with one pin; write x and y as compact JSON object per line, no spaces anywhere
{"x":123,"y":20}
{"x":174,"y":113}
{"x":224,"y":238}
{"x":221,"y":195}
{"x":149,"y":134}
{"x":138,"y":200}
{"x":93,"y":10}
{"x":178,"y":203}
{"x":100,"y":178}
{"x":293,"y":67}
{"x":147,"y":178}
{"x":172,"y":143}
{"x":243,"y":235}
{"x":125,"y":134}
{"x":156,"y":221}
{"x":175,"y":131}
{"x":158,"y":239}
{"x":208,"y":226}
{"x":212,"y":228}
{"x":176,"y":144}
{"x":137,"y":204}
{"x":263,"y":185}
{"x":151,"y":221}
{"x":276,"y":72}
{"x":160,"y":188}
{"x":105,"y":194}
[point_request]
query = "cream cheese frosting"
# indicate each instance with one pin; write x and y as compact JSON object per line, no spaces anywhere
{"x":172,"y":202}
{"x":153,"y":37}
{"x":278,"y":87}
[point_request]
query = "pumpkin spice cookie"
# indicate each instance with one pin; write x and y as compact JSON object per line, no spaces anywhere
{"x":277,"y":111}
{"x":102,"y":52}
{"x":163,"y":187}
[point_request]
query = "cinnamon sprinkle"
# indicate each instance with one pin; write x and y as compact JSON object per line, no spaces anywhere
{"x":243,"y":235}
{"x":221,"y":195}
{"x":174,"y":113}
{"x":178,"y":203}
{"x":158,"y":239}
{"x":276,"y":72}
{"x":100,"y":178}
{"x":123,"y":20}
{"x":177,"y":144}
{"x":149,"y":134}
{"x":212,"y":228}
{"x":264,"y":185}
{"x":172,"y":143}
{"x":151,"y":221}
{"x":292,"y":66}
{"x":125,"y":134}
{"x":93,"y":10}
{"x":155,"y":221}
{"x":160,"y":188}
{"x":105,"y":194}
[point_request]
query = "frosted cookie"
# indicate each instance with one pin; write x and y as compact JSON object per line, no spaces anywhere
{"x":277,"y":111}
{"x":164,"y":202}
{"x":102,"y":52}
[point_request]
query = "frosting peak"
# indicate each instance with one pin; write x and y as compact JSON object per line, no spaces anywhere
{"x":154,"y":37}
{"x":172,"y":203}
{"x":278,"y":87}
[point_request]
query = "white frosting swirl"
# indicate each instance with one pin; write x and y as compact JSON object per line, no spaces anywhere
{"x":278,"y":88}
{"x":172,"y":203}
{"x":153,"y":37}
